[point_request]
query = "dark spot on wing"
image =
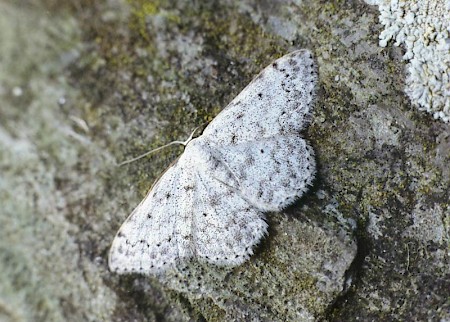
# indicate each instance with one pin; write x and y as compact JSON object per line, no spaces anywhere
{"x":215,"y":163}
{"x":250,"y":160}
{"x":214,"y":201}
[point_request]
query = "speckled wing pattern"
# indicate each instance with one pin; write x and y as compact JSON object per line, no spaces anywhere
{"x":210,"y":203}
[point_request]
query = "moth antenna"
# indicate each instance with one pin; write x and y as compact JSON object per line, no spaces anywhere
{"x":160,"y":148}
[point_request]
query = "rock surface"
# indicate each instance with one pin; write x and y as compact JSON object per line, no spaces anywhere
{"x":85,"y":85}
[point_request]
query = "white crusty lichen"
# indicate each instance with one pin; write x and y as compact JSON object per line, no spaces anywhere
{"x":423,"y":27}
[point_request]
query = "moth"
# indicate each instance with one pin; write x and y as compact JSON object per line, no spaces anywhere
{"x":211,"y":203}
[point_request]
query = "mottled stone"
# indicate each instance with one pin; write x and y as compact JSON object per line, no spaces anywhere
{"x":86,"y":86}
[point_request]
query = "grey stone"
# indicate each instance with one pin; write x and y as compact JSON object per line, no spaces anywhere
{"x":85,"y":85}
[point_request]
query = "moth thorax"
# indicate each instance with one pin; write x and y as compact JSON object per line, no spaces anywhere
{"x":201,"y":154}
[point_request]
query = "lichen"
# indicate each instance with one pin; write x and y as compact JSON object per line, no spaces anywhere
{"x":423,"y":28}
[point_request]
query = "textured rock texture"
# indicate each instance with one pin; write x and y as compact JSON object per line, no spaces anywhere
{"x":86,"y":84}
